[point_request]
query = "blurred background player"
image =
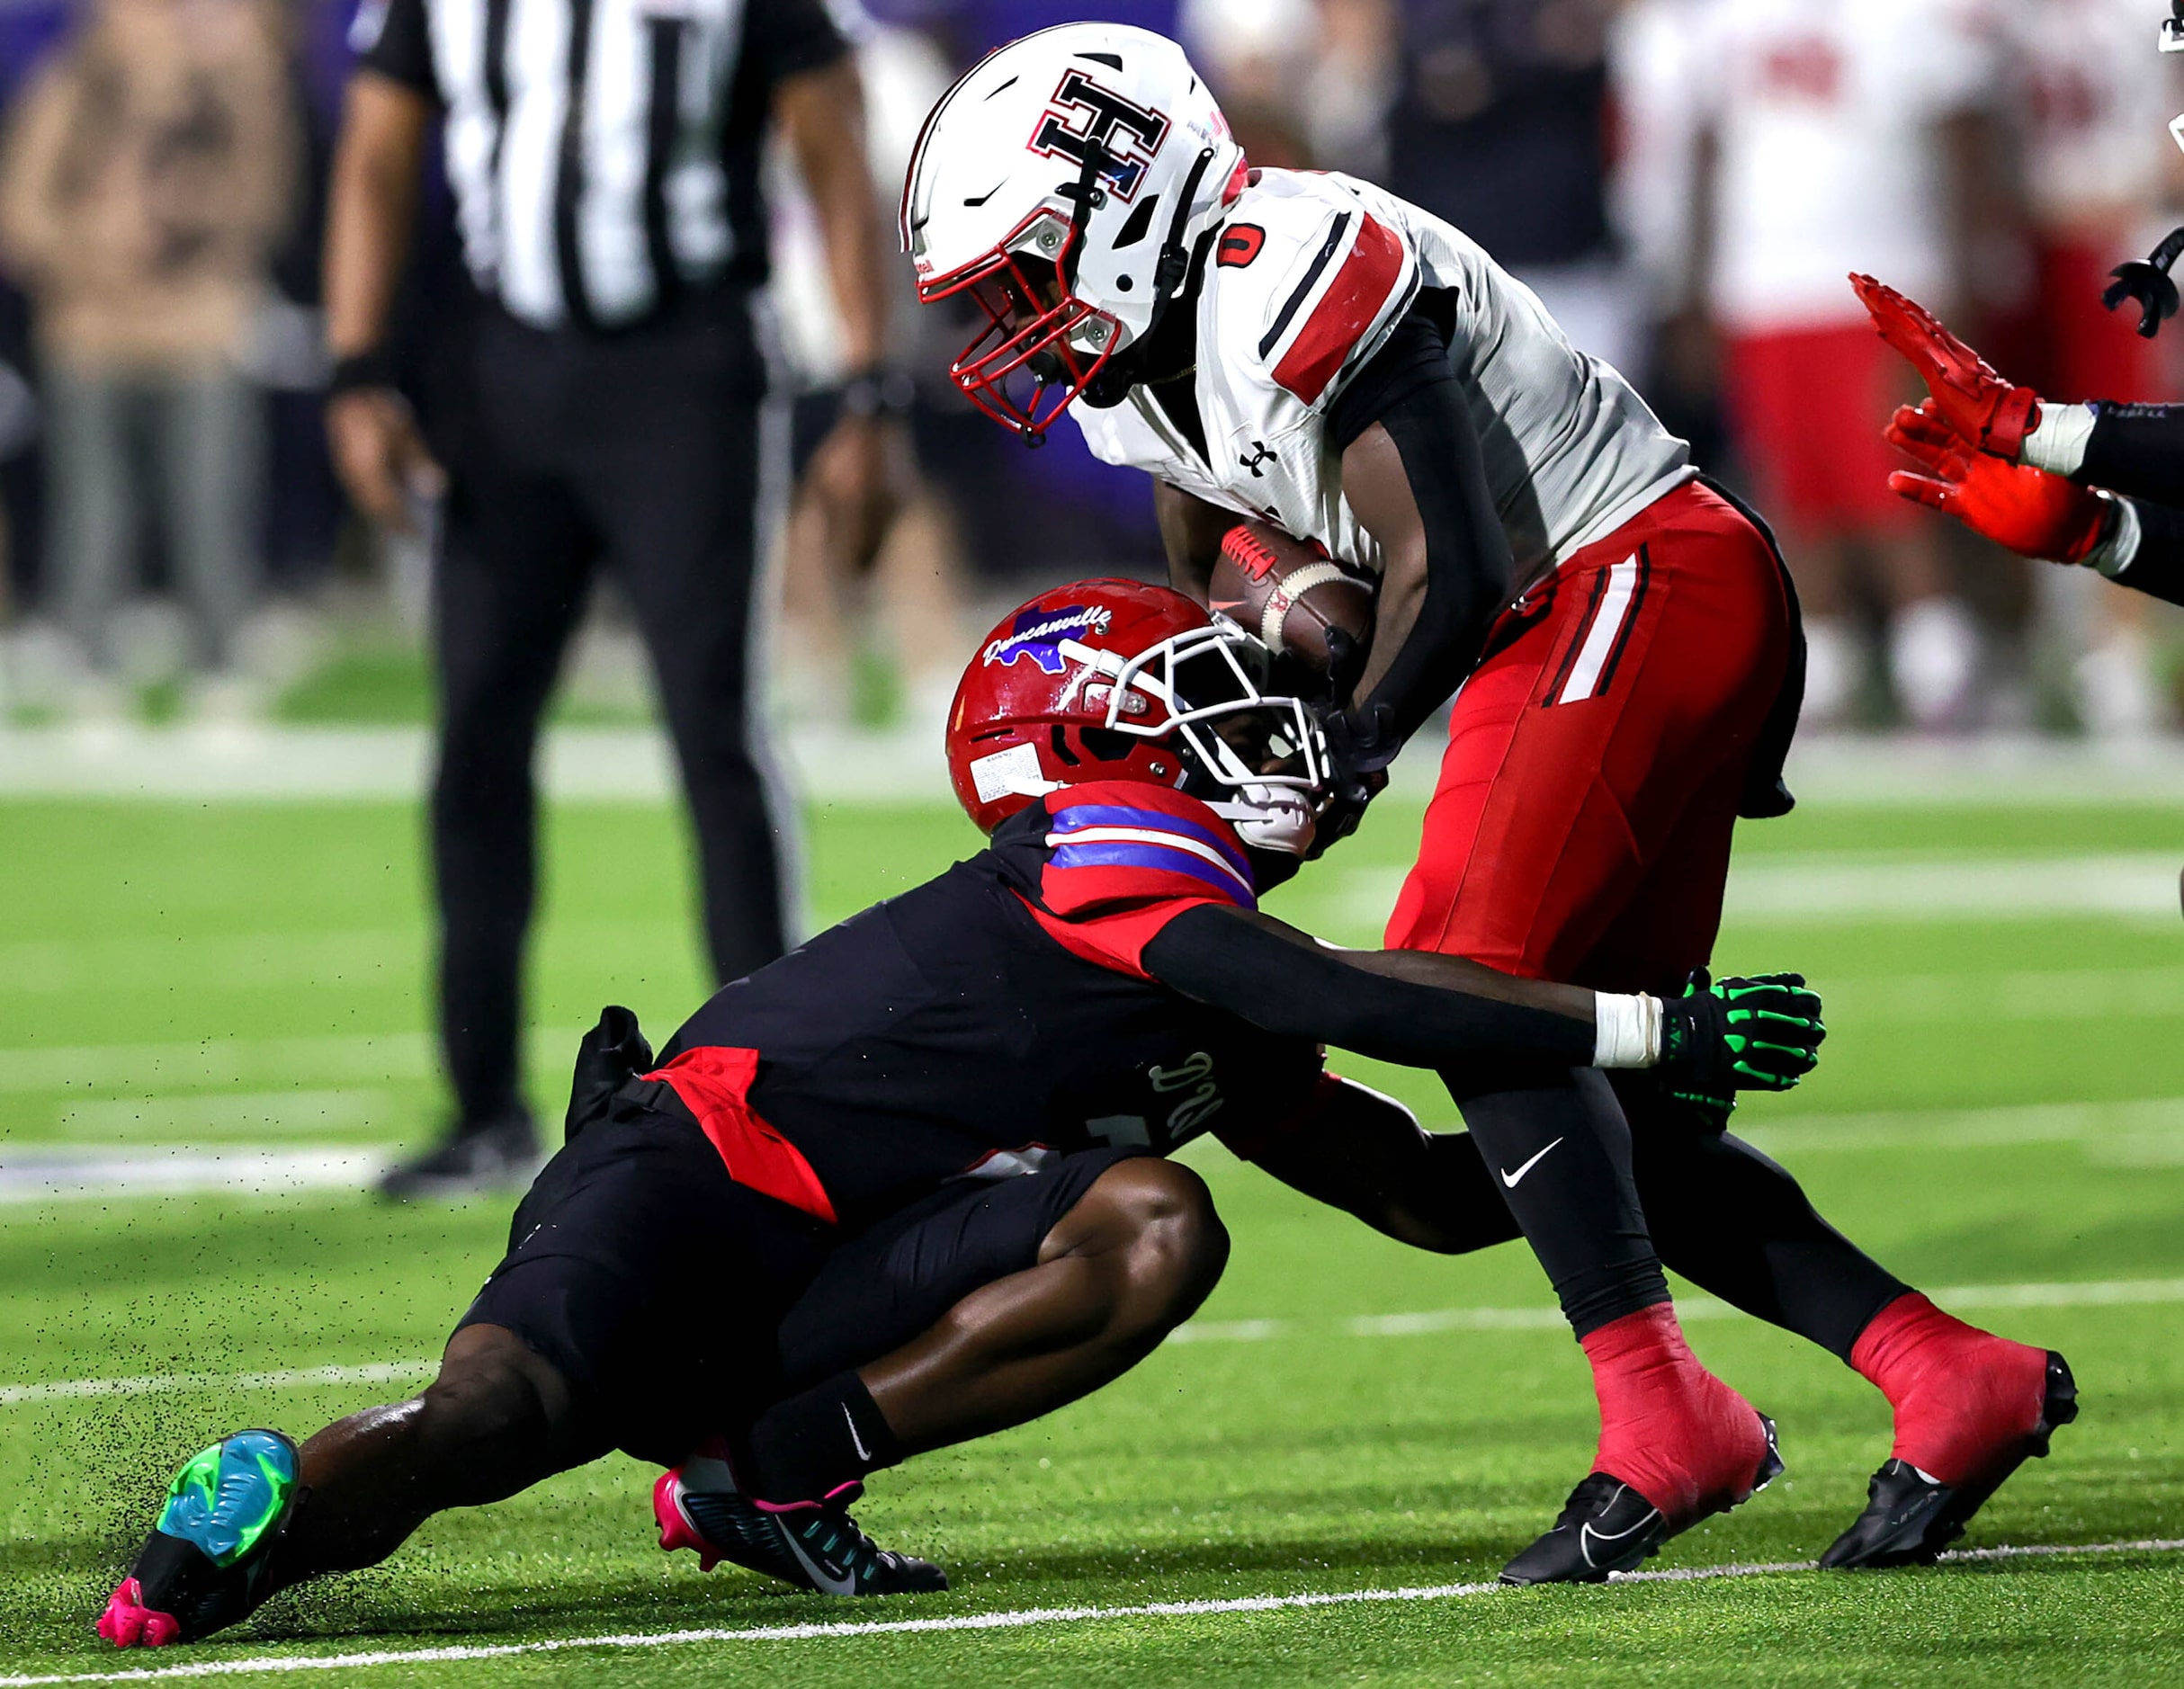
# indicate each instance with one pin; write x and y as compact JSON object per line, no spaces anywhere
{"x":608,"y":411}
{"x":1774,"y":142}
{"x":149,"y":173}
{"x":870,"y":621}
{"x":1498,"y":127}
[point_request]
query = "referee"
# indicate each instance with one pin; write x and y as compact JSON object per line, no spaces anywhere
{"x":601,"y":400}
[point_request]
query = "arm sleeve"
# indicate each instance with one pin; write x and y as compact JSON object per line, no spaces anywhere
{"x":1409,"y":388}
{"x":392,"y":38}
{"x":2136,"y":450}
{"x":1302,"y":991}
{"x":784,"y":37}
{"x":2157,"y":566}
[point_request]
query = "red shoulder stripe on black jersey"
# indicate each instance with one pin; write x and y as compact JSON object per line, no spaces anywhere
{"x":1345,"y":311}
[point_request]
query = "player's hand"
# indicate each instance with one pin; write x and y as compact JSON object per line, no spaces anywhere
{"x":2028,"y":511}
{"x":855,"y":483}
{"x":380,"y":457}
{"x":1357,"y":756}
{"x":1988,"y":412}
{"x":1758,"y":1034}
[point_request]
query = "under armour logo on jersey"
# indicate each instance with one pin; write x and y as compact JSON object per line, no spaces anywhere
{"x":1259,"y":454}
{"x":1126,"y":135}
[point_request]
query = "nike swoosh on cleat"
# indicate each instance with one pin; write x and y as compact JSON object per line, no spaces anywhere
{"x":823,"y":1577}
{"x":1587,"y":1536}
{"x":855,"y":1442}
{"x":1509,"y":1179}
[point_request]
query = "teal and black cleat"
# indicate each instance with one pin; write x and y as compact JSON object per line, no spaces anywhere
{"x":814,"y":1546}
{"x":207,"y":1563}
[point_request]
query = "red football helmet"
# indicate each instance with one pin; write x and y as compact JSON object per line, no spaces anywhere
{"x":1117,"y":680}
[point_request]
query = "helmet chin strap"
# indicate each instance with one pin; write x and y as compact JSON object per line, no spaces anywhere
{"x":1269,"y":818}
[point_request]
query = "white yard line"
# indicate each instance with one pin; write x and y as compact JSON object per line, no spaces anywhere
{"x":835,"y":764}
{"x":1021,"y":1619}
{"x":46,"y":1176}
{"x":1831,"y":887}
{"x":260,"y":1062}
{"x":2096,"y":1294}
{"x":161,"y":1384}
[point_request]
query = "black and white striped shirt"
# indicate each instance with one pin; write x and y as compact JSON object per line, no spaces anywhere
{"x":605,"y":153}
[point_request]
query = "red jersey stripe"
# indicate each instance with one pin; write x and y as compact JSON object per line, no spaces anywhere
{"x":1348,"y":307}
{"x":714,"y":1084}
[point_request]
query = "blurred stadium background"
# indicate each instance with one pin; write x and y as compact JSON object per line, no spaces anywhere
{"x":214,"y":944}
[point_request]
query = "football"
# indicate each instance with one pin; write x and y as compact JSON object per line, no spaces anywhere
{"x":1290,"y":593}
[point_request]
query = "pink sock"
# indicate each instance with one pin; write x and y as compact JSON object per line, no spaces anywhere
{"x":1964,"y":1399}
{"x":1668,"y":1429}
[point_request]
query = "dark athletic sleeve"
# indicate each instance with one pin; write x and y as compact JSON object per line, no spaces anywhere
{"x":1302,"y":991}
{"x":2158,"y":568}
{"x":2137,"y":450}
{"x":783,"y":37}
{"x":392,"y":38}
{"x":1409,"y":388}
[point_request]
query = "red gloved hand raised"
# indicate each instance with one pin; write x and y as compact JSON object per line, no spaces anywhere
{"x":1992,"y":414}
{"x":2029,"y":511}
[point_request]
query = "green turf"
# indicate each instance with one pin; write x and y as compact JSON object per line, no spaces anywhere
{"x":253,"y":976}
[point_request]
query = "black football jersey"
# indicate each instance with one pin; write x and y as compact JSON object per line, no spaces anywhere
{"x":999,"y":1014}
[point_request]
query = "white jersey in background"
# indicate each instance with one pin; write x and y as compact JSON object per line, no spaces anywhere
{"x":2096,"y":99}
{"x":1309,"y":275}
{"x":1827,"y":115}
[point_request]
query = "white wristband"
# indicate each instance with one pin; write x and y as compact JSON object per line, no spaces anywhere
{"x":2113,"y":556}
{"x":1626,"y":1030}
{"x":2058,"y":444}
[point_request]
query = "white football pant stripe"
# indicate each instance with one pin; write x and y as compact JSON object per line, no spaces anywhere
{"x":1606,"y":624}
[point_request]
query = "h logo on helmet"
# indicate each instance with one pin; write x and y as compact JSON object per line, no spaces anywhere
{"x":1127,"y":135}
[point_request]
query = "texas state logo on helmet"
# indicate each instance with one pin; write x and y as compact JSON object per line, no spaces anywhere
{"x":1110,"y":680}
{"x":1061,"y":184}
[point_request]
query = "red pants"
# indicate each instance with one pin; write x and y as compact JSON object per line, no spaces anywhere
{"x":1581,"y":825}
{"x":1808,"y":405}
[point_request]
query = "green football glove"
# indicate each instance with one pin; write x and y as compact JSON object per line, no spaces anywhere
{"x":1758,"y":1034}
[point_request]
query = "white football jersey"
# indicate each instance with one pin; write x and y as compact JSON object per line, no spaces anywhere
{"x":2096,"y":99}
{"x":1309,"y":275}
{"x":1827,"y":115}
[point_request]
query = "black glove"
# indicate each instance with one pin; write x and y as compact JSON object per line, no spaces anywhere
{"x":1758,"y":1034}
{"x":1358,"y":752}
{"x":612,"y":1054}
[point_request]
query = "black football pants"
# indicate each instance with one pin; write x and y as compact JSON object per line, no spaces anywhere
{"x":1726,"y":1217}
{"x":639,"y":453}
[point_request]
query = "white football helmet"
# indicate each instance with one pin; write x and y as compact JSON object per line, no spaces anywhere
{"x":1063,"y":184}
{"x":2172,"y":41}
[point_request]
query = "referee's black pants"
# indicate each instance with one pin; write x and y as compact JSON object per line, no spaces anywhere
{"x":638,"y":451}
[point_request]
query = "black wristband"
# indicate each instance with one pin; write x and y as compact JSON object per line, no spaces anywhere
{"x":877,"y":393}
{"x":359,"y":370}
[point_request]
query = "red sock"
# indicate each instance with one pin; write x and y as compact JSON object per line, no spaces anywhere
{"x":1963,"y":1397}
{"x":1668,"y":1429}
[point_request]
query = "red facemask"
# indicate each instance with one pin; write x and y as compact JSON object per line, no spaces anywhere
{"x":1023,"y":368}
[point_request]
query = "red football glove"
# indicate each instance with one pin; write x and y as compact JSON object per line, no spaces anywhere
{"x":2028,"y":511}
{"x":1987,"y":411}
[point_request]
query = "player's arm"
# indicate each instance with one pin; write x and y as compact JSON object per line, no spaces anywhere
{"x":1365,"y":1153}
{"x":1191,"y":533}
{"x":1425,"y":1010}
{"x":378,"y":160}
{"x":1415,"y":475}
{"x":2037,"y":514}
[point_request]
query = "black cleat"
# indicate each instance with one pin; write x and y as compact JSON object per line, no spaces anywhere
{"x":497,"y":1155}
{"x":812,"y":1548}
{"x":1606,"y":1527}
{"x":1911,"y":1517}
